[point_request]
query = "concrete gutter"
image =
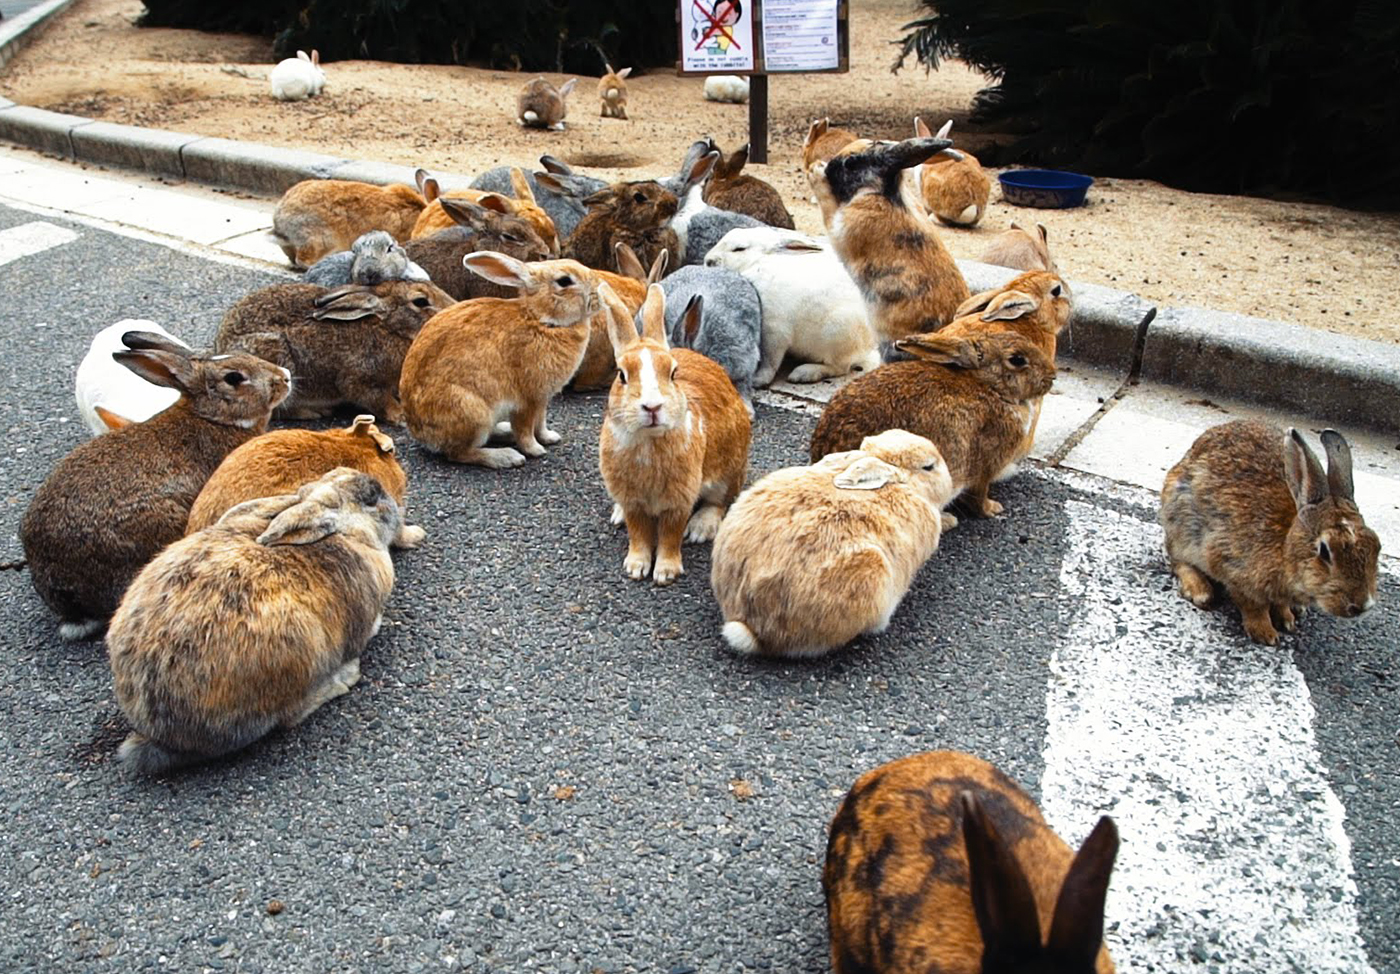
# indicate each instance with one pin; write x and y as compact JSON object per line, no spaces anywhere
{"x":19,"y":31}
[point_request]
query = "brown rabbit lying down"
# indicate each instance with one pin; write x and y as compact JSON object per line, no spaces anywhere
{"x":477,"y":228}
{"x":637,"y":214}
{"x":1250,"y":508}
{"x":281,"y":461}
{"x":111,"y":504}
{"x":317,"y":217}
{"x":939,"y":862}
{"x":1020,"y":249}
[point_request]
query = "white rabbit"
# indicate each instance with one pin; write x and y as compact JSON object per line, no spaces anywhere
{"x":727,"y":87}
{"x":299,"y":77}
{"x":110,"y":395}
{"x":811,"y":307}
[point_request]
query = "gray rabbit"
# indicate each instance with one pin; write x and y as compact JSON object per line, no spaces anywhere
{"x":373,"y":258}
{"x":729,"y":323}
{"x":558,"y":190}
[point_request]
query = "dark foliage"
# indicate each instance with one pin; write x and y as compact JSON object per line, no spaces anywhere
{"x":529,"y":35}
{"x":1267,"y":96}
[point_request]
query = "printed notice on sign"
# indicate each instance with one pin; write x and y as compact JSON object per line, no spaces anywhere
{"x":717,"y":35}
{"x":800,"y":35}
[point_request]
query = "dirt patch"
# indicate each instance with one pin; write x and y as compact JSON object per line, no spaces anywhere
{"x":1315,"y":265}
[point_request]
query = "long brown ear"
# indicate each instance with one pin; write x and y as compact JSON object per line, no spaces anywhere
{"x":921,"y":129}
{"x":153,"y":341}
{"x":496,"y":202}
{"x":364,"y":426}
{"x":556,"y":165}
{"x":567,"y":87}
{"x":622,"y":331}
{"x":736,"y":162}
{"x":521,"y":186}
{"x":110,"y":419}
{"x":1338,"y":465}
{"x":169,"y":369}
{"x":961,"y":353}
{"x":654,"y":315}
{"x":427,"y":185}
{"x":1010,"y":305}
{"x":466,"y":213}
{"x":420,"y":179}
{"x":1076,"y":932}
{"x":500,"y":268}
{"x":658,"y":267}
{"x":816,"y":130}
{"x":691,"y":318}
{"x":1306,"y":481}
{"x":627,"y":263}
{"x":1044,"y":235}
{"x":348,"y":304}
{"x":604,"y":197}
{"x":260,"y":507}
{"x":303,"y":523}
{"x":1001,"y":895}
{"x":552,"y":184}
{"x":978,"y":302}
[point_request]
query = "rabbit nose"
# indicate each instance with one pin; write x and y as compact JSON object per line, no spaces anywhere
{"x":653,"y":413}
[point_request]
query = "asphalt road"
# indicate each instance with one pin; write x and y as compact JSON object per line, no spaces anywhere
{"x":544,"y":765}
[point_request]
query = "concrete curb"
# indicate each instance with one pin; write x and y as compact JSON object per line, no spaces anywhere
{"x":16,"y":33}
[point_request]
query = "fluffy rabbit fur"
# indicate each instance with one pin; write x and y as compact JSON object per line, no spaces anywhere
{"x":116,"y":500}
{"x":374,"y":258}
{"x":730,"y":88}
{"x":478,"y":228}
{"x":281,"y":461}
{"x":731,"y":189}
{"x":599,"y":367}
{"x":317,"y":217}
{"x":1249,"y":507}
{"x":496,"y":358}
{"x":1020,"y":249}
{"x":811,"y":307}
{"x":823,"y":142}
{"x":973,"y":397}
{"x":541,"y":105}
{"x":809,"y":558}
{"x":254,"y":623}
{"x":954,"y":186}
{"x":559,"y":191}
{"x":727,"y":328}
{"x":983,"y":884}
{"x":906,"y":275}
{"x":612,"y":91}
{"x":296,"y":78}
{"x":637,"y":214}
{"x":110,"y":395}
{"x":346,"y":345}
{"x":521,"y":204}
{"x":675,"y":433}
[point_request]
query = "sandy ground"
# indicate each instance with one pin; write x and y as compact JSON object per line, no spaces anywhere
{"x":1315,"y":265}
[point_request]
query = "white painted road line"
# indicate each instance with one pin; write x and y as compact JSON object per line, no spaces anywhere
{"x":1201,"y":746}
{"x":31,"y":238}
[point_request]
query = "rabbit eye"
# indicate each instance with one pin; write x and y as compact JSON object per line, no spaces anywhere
{"x":511,"y":237}
{"x":420,"y":302}
{"x":740,"y":250}
{"x":1018,"y":361}
{"x":674,"y":368}
{"x":622,"y":377}
{"x":235,"y":378}
{"x":565,"y":281}
{"x":1324,"y":552}
{"x":1056,"y":291}
{"x":931,"y":464}
{"x":639,"y":197}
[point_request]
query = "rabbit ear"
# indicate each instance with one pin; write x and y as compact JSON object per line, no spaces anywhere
{"x":305,"y":522}
{"x":549,"y":182}
{"x":1306,"y":481}
{"x":962,"y":353}
{"x":262,"y":508}
{"x":1010,"y":305}
{"x":737,"y":160}
{"x":350,"y":303}
{"x":364,"y":426}
{"x":654,"y":315}
{"x":838,"y":461}
{"x":153,"y":341}
{"x":908,"y":153}
{"x":943,"y":132}
{"x":170,"y":369}
{"x":302,"y":56}
{"x":921,"y":129}
{"x":466,"y":213}
{"x":800,"y":245}
{"x":1076,"y":932}
{"x":316,"y":58}
{"x":110,"y":419}
{"x":627,"y":262}
{"x":869,"y":473}
{"x":495,"y":201}
{"x":567,"y":87}
{"x":1338,"y":466}
{"x":624,"y":72}
{"x":1001,"y":895}
{"x":658,"y":267}
{"x":521,"y":185}
{"x":622,"y":330}
{"x":701,"y":169}
{"x":499,"y":268}
{"x":691,"y":318}
{"x":556,"y":165}
{"x":604,"y":197}
{"x":816,"y":130}
{"x":978,"y":302}
{"x":428,"y":187}
{"x":1044,"y":234}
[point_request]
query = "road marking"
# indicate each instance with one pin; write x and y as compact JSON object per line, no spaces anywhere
{"x":31,"y":238}
{"x":1201,"y":746}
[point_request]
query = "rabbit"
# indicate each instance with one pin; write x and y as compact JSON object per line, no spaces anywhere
{"x":983,"y":885}
{"x":1248,"y":507}
{"x":675,"y":433}
{"x":973,"y":397}
{"x":559,"y":191}
{"x":280,"y":461}
{"x":729,"y":327}
{"x":116,"y":500}
{"x":907,"y":277}
{"x":253,"y":623}
{"x":809,"y":558}
{"x":342,"y":346}
{"x":317,"y":217}
{"x":598,"y":367}
{"x":296,"y":78}
{"x":731,"y":88}
{"x":612,"y":90}
{"x":811,"y":307}
{"x":730,"y":189}
{"x":373,"y":258}
{"x":698,"y":225}
{"x":434,"y":217}
{"x":111,"y":396}
{"x":823,"y":142}
{"x":1021,"y":250}
{"x":1037,"y":304}
{"x":636,"y":214}
{"x":954,"y":186}
{"x":541,"y":105}
{"x":499,"y":358}
{"x":478,"y":228}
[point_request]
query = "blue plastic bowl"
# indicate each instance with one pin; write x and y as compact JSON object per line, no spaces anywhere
{"x":1044,"y":188}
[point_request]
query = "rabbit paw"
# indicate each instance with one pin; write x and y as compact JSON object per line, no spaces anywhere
{"x":500,"y":458}
{"x":637,"y":565}
{"x":704,"y":524}
{"x":667,"y":571}
{"x":811,"y":372}
{"x":616,"y":517}
{"x":547,"y":436}
{"x":410,"y":536}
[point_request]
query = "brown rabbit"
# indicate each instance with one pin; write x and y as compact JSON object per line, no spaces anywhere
{"x":1037,"y":304}
{"x":498,"y":358}
{"x":907,"y":277}
{"x":477,"y":228}
{"x":823,"y":142}
{"x":954,"y":185}
{"x":612,"y":90}
{"x":1250,"y":508}
{"x":939,"y":862}
{"x":634,"y":213}
{"x":435,"y":218}
{"x":344,"y":345}
{"x":729,"y":189}
{"x":598,"y":366}
{"x":541,"y":105}
{"x":116,"y":500}
{"x":281,"y":461}
{"x":317,"y":217}
{"x":675,"y":433}
{"x":971,"y":396}
{"x":1022,"y":250}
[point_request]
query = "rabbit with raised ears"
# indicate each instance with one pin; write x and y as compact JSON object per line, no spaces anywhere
{"x":732,"y":88}
{"x":116,"y":500}
{"x":1250,"y":509}
{"x":345,"y":345}
{"x":954,"y":186}
{"x":253,"y":623}
{"x":906,"y":276}
{"x":522,"y":204}
{"x":727,"y":330}
{"x":984,"y":886}
{"x":541,"y":105}
{"x":975,"y":398}
{"x":809,"y":558}
{"x":598,"y":366}
{"x":296,"y":78}
{"x":478,"y":227}
{"x":612,"y":91}
{"x":730,"y":188}
{"x":810,"y":306}
{"x":1022,"y":250}
{"x":496,"y":359}
{"x":373,"y":258}
{"x":558,"y":190}
{"x":109,"y":394}
{"x":317,"y":217}
{"x":698,"y":225}
{"x":281,"y":461}
{"x":675,"y":434}
{"x":635,"y":213}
